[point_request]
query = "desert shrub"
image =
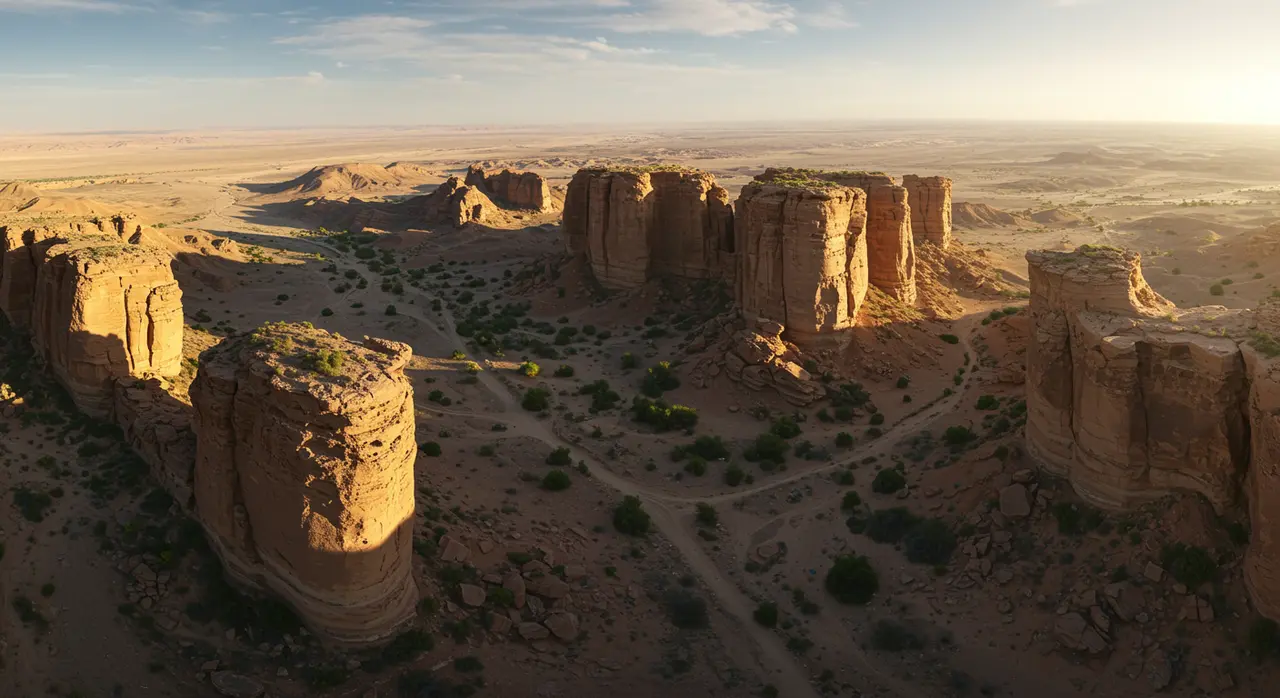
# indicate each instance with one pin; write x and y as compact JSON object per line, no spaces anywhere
{"x":391,"y":310}
{"x":564,"y":371}
{"x":766,"y":614}
{"x":663,"y":417}
{"x":1216,"y":290}
{"x":852,"y":580}
{"x":767,"y":447}
{"x":888,"y":481}
{"x":988,"y":402}
{"x":536,"y":399}
{"x":1076,"y":519}
{"x":904,"y":382}
{"x":709,"y":447}
{"x":365,"y":253}
{"x":733,"y":475}
{"x":785,"y":427}
{"x":706,"y":514}
{"x":876,"y":419}
{"x":630,"y":518}
{"x":559,"y":456}
{"x":850,"y":395}
{"x":696,"y":467}
{"x":890,"y":525}
{"x":891,"y":636}
{"x":326,"y":312}
{"x":1264,"y":639}
{"x":659,"y":379}
{"x":930,"y":543}
{"x":529,"y":369}
{"x":431,"y":448}
{"x":325,"y":361}
{"x":556,"y":480}
{"x":685,"y":610}
{"x":949,"y":338}
{"x":844,"y":478}
{"x":602,"y":396}
{"x":1191,"y":565}
{"x":844,"y":439}
{"x":851,"y":501}
{"x":957,"y":437}
{"x":629,"y":361}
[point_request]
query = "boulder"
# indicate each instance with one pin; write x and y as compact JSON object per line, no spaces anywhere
{"x":563,"y":625}
{"x":533,"y":631}
{"x":304,"y":475}
{"x":236,"y":685}
{"x":1015,"y":501}
{"x":761,"y":360}
{"x":472,"y":595}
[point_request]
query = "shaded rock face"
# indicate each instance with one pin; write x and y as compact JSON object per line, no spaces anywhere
{"x":804,"y":257}
{"x":526,"y":190}
{"x":103,"y":311}
{"x":157,"y":427}
{"x":633,"y":226}
{"x":890,"y":250}
{"x":304,"y":474}
{"x":930,"y":199}
{"x":452,"y":203}
{"x":1130,"y":405}
{"x":21,"y":253}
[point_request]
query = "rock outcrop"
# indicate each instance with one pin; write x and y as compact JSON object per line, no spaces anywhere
{"x":930,"y":199}
{"x":762,"y":360}
{"x":304,"y":474}
{"x":1131,"y":398}
{"x":637,"y":224}
{"x":804,"y":255}
{"x":452,"y":203}
{"x":21,"y":253}
{"x":891,"y":259}
{"x":524,"y":190}
{"x":891,"y":252}
{"x":157,"y":427}
{"x":103,"y":311}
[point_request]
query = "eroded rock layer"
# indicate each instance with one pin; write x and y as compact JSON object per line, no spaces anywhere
{"x":930,"y":199}
{"x":304,"y":474}
{"x":1131,"y":398}
{"x":102,"y":311}
{"x":891,"y":252}
{"x":525,"y":190}
{"x":634,"y":225}
{"x":452,"y":203}
{"x":804,"y":257}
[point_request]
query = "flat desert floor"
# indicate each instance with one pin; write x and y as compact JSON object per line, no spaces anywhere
{"x":725,"y":605}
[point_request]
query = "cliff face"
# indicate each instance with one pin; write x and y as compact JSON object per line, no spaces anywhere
{"x":930,"y":199}
{"x":103,"y":311}
{"x":799,"y":243}
{"x":304,"y":474}
{"x":525,"y":190}
{"x":891,"y":252}
{"x":1130,"y":404}
{"x":452,"y":203}
{"x":634,"y":225}
{"x":21,"y":253}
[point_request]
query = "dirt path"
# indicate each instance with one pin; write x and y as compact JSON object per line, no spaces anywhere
{"x":672,"y":515}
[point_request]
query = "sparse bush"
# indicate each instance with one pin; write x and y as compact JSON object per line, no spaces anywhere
{"x":767,"y":447}
{"x":877,"y":419}
{"x":888,"y":481}
{"x":536,"y":399}
{"x":686,"y":611}
{"x":844,"y":439}
{"x":930,"y":543}
{"x":851,"y":501}
{"x":852,"y":580}
{"x":663,"y":417}
{"x":560,"y":456}
{"x":904,"y":382}
{"x":785,"y":427}
{"x":431,"y":448}
{"x":630,"y":518}
{"x":1190,"y":565}
{"x":891,"y":636}
{"x":706,"y":514}
{"x":766,"y":614}
{"x":529,"y":369}
{"x":949,"y":338}
{"x":1216,"y":290}
{"x":325,"y":361}
{"x":659,"y":379}
{"x":733,"y":475}
{"x":556,"y":480}
{"x":391,"y":310}
{"x":988,"y":402}
{"x":564,"y":371}
{"x":629,"y":361}
{"x":1264,"y":639}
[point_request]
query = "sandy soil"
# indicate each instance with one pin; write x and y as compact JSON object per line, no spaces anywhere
{"x":1196,"y":202}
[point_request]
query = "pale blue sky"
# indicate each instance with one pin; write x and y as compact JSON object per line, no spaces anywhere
{"x":144,"y":64}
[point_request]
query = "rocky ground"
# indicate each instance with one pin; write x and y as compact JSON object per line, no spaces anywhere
{"x":990,"y":577}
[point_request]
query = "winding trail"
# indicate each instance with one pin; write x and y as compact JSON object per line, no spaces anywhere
{"x":672,"y":515}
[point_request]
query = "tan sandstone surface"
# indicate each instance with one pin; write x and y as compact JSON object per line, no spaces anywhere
{"x":1131,"y":398}
{"x":524,"y":190}
{"x":930,"y":199}
{"x":304,"y":474}
{"x":634,"y":225}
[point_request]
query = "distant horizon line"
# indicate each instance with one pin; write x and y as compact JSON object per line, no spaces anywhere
{"x":607,"y":125}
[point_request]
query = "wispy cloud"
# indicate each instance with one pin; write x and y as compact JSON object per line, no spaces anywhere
{"x":706,"y":17}
{"x":832,"y":15}
{"x":65,"y":6}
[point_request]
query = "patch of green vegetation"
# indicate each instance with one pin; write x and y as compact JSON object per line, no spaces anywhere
{"x":1190,"y":565}
{"x":560,"y":457}
{"x":327,"y":362}
{"x":706,"y":515}
{"x":888,"y":481}
{"x":663,"y":417}
{"x":852,"y":580}
{"x":630,"y":518}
